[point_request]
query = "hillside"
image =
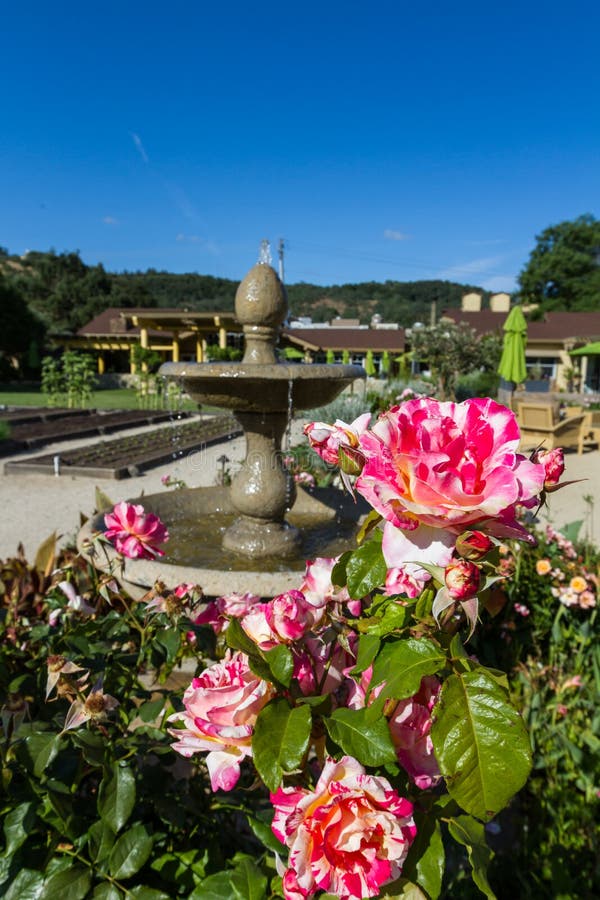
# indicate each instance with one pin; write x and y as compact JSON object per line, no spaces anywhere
{"x":62,"y":291}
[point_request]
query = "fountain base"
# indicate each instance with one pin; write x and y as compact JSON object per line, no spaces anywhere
{"x":326,"y":520}
{"x":260,"y":539}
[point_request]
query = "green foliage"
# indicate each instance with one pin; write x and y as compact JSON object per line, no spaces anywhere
{"x":563,"y":270}
{"x":452,"y":350}
{"x":68,"y":381}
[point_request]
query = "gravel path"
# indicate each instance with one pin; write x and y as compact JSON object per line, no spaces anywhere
{"x":34,"y":506}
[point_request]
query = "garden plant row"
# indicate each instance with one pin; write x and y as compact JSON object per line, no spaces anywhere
{"x":27,"y":435}
{"x":127,"y":456}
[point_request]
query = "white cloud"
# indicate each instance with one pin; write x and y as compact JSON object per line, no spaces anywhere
{"x":139,"y":146}
{"x":473,"y":267}
{"x":391,"y":235}
{"x":498,"y":283}
{"x":110,"y":220}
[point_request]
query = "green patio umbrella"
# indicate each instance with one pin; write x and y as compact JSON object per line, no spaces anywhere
{"x":512,"y":362}
{"x":369,"y":365}
{"x":592,"y":349}
{"x":385,"y":362}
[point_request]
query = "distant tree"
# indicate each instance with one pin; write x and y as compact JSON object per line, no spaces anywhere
{"x":18,"y":325}
{"x":563,"y":271}
{"x":450,"y":350}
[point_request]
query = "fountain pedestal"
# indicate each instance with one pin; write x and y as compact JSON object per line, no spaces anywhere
{"x":262,"y":492}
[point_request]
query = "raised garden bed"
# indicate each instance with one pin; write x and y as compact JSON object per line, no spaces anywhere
{"x":27,"y":435}
{"x":128,"y":456}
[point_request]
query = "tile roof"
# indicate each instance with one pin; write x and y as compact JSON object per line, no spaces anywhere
{"x":356,"y":339}
{"x":555,"y":326}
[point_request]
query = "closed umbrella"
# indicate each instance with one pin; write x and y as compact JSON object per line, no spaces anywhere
{"x":512,"y":362}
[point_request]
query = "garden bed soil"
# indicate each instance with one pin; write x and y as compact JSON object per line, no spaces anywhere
{"x":128,"y":456}
{"x":28,"y":435}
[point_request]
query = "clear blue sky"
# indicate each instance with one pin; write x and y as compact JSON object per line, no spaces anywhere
{"x":380,"y":140}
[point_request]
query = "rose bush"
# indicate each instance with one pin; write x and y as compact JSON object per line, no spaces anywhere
{"x":356,"y":727}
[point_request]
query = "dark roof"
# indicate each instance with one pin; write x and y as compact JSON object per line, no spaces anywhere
{"x":117,"y":321}
{"x":555,"y":326}
{"x":355,"y":339}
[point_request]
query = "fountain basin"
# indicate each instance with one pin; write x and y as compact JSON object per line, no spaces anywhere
{"x":262,"y":387}
{"x":327,"y":519}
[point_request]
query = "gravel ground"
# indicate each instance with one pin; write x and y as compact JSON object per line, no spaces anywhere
{"x":36,"y":505}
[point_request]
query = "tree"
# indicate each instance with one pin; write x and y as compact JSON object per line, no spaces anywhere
{"x":563,"y":271}
{"x":452,"y":350}
{"x":18,"y":325}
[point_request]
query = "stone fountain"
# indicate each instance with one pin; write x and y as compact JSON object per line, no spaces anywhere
{"x":262,"y":392}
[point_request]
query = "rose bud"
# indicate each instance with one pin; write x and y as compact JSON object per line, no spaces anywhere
{"x":554,"y":466}
{"x":350,"y":460}
{"x":473,"y":544}
{"x":462,"y":579}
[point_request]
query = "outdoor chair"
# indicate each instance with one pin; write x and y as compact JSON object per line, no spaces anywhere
{"x":538,"y":426}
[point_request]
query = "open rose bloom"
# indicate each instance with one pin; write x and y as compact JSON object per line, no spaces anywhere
{"x":349,"y":836}
{"x":134,"y":532}
{"x":221,"y":707}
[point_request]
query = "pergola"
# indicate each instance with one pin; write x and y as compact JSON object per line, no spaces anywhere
{"x":163,"y":330}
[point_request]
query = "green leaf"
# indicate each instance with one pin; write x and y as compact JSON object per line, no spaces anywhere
{"x":130,"y":852}
{"x":141,"y":892}
{"x":368,"y":741}
{"x":280,"y":740}
{"x":101,"y":839}
{"x":366,"y":569}
{"x":215,"y":887}
{"x":402,"y":664}
{"x":265,"y":835}
{"x":116,"y":797}
{"x":17,"y":825}
{"x":106,"y":891}
{"x":368,"y":648}
{"x":281,"y":663}
{"x":28,"y":885}
{"x":170,"y":639}
{"x":69,"y":884}
{"x":42,"y":747}
{"x":390,"y":616}
{"x":103,"y":502}
{"x":248,"y":882}
{"x":150,"y":710}
{"x":338,"y":573}
{"x":571,"y":531}
{"x":471,"y":834}
{"x":237,"y":639}
{"x":425,"y":861}
{"x":480,"y":743}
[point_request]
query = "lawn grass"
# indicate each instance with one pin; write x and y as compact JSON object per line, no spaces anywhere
{"x":110,"y":398}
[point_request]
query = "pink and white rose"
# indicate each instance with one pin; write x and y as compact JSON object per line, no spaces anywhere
{"x":134,"y":532}
{"x":349,"y":836}
{"x":230,"y":606}
{"x":410,"y":724}
{"x":448,"y":466}
{"x":221,"y":708}
{"x":327,"y":439}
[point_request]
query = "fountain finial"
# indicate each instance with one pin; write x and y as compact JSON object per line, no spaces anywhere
{"x":261,"y":307}
{"x":264,"y":254}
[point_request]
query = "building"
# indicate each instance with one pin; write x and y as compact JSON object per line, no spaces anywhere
{"x":175,"y":334}
{"x":550,"y":339}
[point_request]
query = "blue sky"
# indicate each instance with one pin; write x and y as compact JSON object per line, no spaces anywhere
{"x":379,"y":140}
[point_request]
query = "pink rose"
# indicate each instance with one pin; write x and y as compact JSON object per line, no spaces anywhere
{"x":448,"y":465}
{"x":410,"y":724}
{"x":462,"y":579}
{"x":221,"y":707}
{"x":349,"y":836}
{"x":327,"y":439}
{"x":473,"y":545}
{"x":553,"y":462}
{"x":134,"y":532}
{"x":284,"y":619}
{"x":231,"y":606}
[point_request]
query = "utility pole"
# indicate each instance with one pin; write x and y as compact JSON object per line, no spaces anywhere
{"x":280,"y":254}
